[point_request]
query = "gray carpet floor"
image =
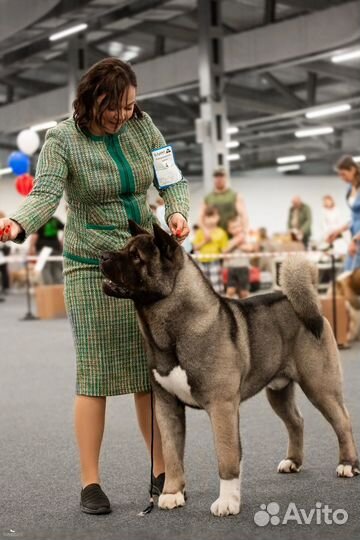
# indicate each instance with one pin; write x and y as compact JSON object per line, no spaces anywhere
{"x":39,"y":471}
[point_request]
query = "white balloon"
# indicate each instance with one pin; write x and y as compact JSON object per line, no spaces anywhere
{"x":28,"y":141}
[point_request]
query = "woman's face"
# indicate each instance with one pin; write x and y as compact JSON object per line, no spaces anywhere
{"x":114,"y":118}
{"x":347,"y":175}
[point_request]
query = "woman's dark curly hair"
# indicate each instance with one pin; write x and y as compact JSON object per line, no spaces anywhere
{"x":110,"y":77}
{"x":347,"y":163}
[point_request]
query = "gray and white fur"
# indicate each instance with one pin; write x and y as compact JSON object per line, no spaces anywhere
{"x":213,"y":353}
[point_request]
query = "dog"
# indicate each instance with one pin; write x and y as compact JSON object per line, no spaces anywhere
{"x":212,"y":353}
{"x":348,"y":286}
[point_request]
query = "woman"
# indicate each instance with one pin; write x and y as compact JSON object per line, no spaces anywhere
{"x":103,"y":158}
{"x":349,"y":171}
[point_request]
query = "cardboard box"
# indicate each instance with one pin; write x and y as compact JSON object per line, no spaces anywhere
{"x":49,"y":301}
{"x":341,"y":316}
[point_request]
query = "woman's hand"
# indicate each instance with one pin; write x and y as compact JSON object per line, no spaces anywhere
{"x":9,"y":229}
{"x":178,"y":227}
{"x":353,"y":247}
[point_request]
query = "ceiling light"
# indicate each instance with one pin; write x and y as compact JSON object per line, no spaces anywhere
{"x":290,"y":159}
{"x":68,"y":32}
{"x":232,"y":144}
{"x":357,"y":159}
{"x":45,"y":125}
{"x":344,"y":57}
{"x":233,"y":157}
{"x":8,"y":170}
{"x":231,"y":130}
{"x":286,"y":168}
{"x":312,"y":132}
{"x":328,"y":110}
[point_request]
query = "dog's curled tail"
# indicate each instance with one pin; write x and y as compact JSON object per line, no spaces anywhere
{"x":298,"y":280}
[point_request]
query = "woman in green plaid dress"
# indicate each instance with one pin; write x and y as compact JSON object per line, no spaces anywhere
{"x":102,"y":159}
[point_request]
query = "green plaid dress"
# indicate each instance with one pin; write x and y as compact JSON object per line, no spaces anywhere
{"x":105,"y":179}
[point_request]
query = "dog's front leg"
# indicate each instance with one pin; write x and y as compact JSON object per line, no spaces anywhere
{"x":170,"y":414}
{"x":224,"y":418}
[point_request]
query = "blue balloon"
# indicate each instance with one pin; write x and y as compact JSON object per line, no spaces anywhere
{"x":19,"y":163}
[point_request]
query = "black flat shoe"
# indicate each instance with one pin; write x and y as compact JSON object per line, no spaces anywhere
{"x":94,"y":501}
{"x":157,"y":484}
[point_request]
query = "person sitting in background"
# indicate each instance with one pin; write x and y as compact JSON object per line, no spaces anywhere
{"x":238,"y":266}
{"x":209,"y":240}
{"x":332,"y":221}
{"x":48,"y":236}
{"x":299,"y":221}
{"x":228,"y":203}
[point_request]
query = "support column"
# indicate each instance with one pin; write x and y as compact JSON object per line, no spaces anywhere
{"x":77,"y":62}
{"x":211,"y":127}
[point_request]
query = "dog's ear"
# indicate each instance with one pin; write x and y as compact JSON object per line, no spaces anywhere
{"x":166,"y":243}
{"x":135,"y":229}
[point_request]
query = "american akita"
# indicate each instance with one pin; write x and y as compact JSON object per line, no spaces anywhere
{"x":212,"y":353}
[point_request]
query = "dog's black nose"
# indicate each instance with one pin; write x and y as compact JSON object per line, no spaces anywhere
{"x":105,"y":256}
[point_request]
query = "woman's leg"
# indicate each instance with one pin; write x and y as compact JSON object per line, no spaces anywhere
{"x":89,"y":427}
{"x":143,"y":412}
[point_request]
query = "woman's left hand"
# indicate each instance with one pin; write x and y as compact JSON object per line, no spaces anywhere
{"x":178,"y":227}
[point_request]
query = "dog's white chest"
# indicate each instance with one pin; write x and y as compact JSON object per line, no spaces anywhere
{"x":176,"y":383}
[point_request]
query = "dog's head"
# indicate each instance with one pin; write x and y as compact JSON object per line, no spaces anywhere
{"x":146,"y":269}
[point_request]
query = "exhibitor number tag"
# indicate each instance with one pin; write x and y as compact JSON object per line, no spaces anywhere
{"x":165,"y":167}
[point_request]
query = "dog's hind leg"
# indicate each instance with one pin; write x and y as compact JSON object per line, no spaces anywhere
{"x":224,"y":418}
{"x":170,"y":414}
{"x":283,"y":403}
{"x":328,"y":399}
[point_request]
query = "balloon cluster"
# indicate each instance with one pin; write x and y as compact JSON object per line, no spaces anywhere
{"x":28,"y":142}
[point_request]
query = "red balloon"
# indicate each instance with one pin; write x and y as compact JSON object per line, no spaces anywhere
{"x":24,"y":184}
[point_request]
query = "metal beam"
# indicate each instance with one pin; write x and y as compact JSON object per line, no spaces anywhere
{"x":307,"y":5}
{"x":283,"y":90}
{"x":189,"y":111}
{"x":260,"y":49}
{"x":94,"y":23}
{"x":213,"y":118}
{"x":311,"y":87}
{"x":31,"y":85}
{"x":334,"y":70}
{"x":270,"y":11}
{"x":172,"y":31}
{"x":259,"y":100}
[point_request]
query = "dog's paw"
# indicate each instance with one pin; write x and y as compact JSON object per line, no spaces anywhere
{"x":288,"y":466}
{"x":345,"y":470}
{"x":226,"y":506}
{"x":168,"y":501}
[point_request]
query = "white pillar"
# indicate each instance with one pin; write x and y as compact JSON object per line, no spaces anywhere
{"x":211,"y":127}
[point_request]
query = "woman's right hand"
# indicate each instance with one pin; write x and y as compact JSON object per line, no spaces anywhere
{"x":9,"y":229}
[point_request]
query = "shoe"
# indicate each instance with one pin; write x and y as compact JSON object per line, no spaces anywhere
{"x":94,"y":501}
{"x":157,"y":484}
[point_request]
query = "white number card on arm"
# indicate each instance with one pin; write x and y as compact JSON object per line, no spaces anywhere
{"x":165,"y":167}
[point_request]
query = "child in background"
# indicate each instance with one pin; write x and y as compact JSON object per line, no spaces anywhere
{"x":209,"y":240}
{"x":238,"y":280}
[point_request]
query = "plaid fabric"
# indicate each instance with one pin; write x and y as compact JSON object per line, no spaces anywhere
{"x":212,"y":271}
{"x":105,"y":180}
{"x":110,"y":353}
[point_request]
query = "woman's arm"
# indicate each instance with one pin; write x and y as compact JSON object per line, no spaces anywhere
{"x":176,"y":196}
{"x":51,"y":173}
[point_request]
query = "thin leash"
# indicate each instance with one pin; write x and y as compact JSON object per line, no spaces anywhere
{"x":149,"y":508}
